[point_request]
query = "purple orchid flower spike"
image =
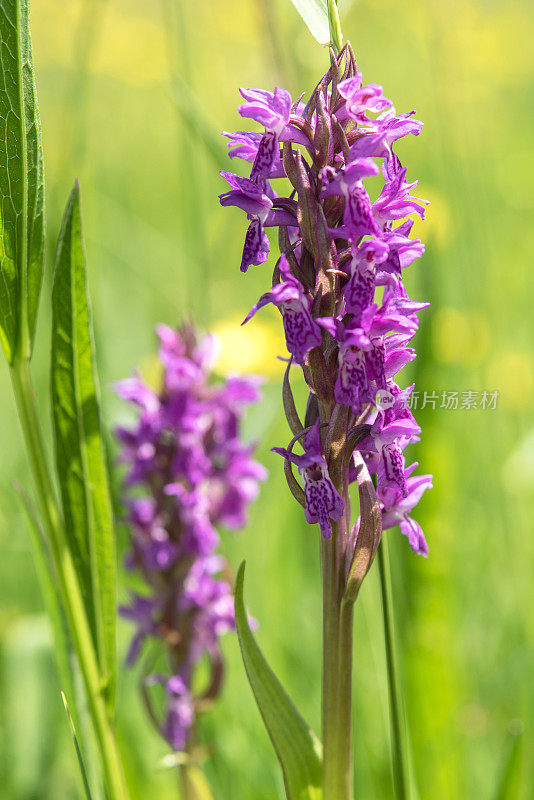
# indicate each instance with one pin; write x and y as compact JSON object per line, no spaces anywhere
{"x":193,"y":474}
{"x":322,"y":501}
{"x":349,"y":324}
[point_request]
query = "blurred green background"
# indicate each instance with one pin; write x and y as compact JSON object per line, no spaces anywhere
{"x":133,"y":94}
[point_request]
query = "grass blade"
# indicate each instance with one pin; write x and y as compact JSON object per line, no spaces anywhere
{"x":44,"y":569}
{"x":297,"y":747}
{"x":399,"y":734}
{"x":79,"y":755}
{"x":22,"y":224}
{"x":80,"y":456}
{"x":509,"y":787}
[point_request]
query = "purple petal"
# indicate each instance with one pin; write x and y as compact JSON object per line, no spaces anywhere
{"x":256,"y":247}
{"x":302,"y":332}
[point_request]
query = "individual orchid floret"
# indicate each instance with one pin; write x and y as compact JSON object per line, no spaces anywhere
{"x":396,"y":509}
{"x":180,"y":711}
{"x":344,"y":182}
{"x":359,"y":291}
{"x":361,"y":99}
{"x":323,"y":502}
{"x":302,"y":332}
{"x":193,"y":475}
{"x":352,"y":387}
{"x":358,"y":219}
{"x":387,"y":441}
{"x":249,"y":196}
{"x":395,"y":202}
{"x":245,"y":145}
{"x":402,"y":251}
{"x":383,"y":132}
{"x":270,"y":109}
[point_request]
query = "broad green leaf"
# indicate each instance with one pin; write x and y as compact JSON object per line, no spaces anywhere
{"x":315,"y":15}
{"x":80,"y":456}
{"x":509,"y":786}
{"x":22,"y":224}
{"x":79,"y":755}
{"x":298,"y":749}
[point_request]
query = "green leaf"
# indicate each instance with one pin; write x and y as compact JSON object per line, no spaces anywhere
{"x":196,"y":786}
{"x":22,"y":223}
{"x":79,"y":755}
{"x":298,"y":749}
{"x":315,"y":15}
{"x":50,"y":592}
{"x":80,"y":455}
{"x":509,"y":786}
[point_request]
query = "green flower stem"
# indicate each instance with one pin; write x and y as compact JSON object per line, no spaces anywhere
{"x":68,"y":581}
{"x":336,"y":37}
{"x":187,"y":790}
{"x":398,"y":731}
{"x":337,"y":672}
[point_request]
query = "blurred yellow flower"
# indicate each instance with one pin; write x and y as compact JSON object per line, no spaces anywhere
{"x":131,"y":49}
{"x":251,"y":348}
{"x":459,"y":337}
{"x":127,"y":46}
{"x":151,"y":371}
{"x":511,"y":373}
{"x":495,"y":42}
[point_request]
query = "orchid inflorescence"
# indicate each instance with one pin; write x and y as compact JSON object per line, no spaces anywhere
{"x":338,"y":283}
{"x":191,"y":473}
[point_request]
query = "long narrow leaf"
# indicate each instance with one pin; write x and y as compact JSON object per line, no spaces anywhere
{"x":297,"y":747}
{"x":79,"y":754}
{"x":44,"y":569}
{"x":509,"y":785}
{"x":21,"y":183}
{"x":80,"y":457}
{"x":195,"y":784}
{"x":315,"y":15}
